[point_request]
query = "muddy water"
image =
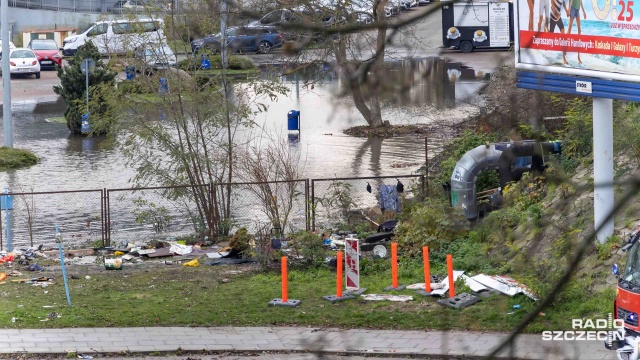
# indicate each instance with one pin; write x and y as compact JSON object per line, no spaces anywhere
{"x":444,"y":94}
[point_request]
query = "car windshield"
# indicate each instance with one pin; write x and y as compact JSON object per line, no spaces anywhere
{"x":44,"y":45}
{"x":22,"y":54}
{"x":632,"y":268}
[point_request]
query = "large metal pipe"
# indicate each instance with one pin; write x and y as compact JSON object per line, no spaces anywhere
{"x":487,"y":157}
{"x":603,"y":167}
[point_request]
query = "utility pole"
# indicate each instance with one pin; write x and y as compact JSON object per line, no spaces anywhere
{"x":224,"y":14}
{"x":7,"y":122}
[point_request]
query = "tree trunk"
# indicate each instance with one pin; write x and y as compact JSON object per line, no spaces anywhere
{"x":365,"y":88}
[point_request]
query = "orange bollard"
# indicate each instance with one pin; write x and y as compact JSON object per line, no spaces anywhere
{"x":285,"y":297}
{"x":339,"y":275}
{"x":452,"y":291}
{"x":427,"y":270}
{"x":394,"y":265}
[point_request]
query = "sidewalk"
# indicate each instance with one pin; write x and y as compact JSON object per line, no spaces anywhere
{"x":158,"y":339}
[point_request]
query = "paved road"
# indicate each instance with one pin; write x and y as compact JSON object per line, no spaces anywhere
{"x":284,"y":339}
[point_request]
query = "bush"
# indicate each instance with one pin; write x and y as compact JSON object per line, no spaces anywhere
{"x":72,"y":86}
{"x":241,"y":241}
{"x":309,"y":248}
{"x":433,"y":223}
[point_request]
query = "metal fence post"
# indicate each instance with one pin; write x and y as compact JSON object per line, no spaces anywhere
{"x":313,"y":205}
{"x":307,"y":218}
{"x":108,"y":219}
{"x":102,"y":215}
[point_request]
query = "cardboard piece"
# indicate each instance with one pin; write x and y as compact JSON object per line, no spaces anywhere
{"x":146,"y":251}
{"x":162,"y":252}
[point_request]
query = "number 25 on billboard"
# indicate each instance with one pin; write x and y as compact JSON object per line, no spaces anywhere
{"x":626,"y":10}
{"x":629,"y":9}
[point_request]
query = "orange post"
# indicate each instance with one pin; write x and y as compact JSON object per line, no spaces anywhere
{"x":452,"y":291}
{"x":427,"y":270}
{"x":394,"y":265}
{"x":339,"y":276}
{"x":285,"y":297}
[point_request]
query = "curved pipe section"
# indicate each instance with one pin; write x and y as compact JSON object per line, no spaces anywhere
{"x":490,"y":157}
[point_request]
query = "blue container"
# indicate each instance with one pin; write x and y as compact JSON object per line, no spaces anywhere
{"x":163,"y":87}
{"x":205,"y":63}
{"x":131,"y":72}
{"x":85,"y":127}
{"x":293,"y":120}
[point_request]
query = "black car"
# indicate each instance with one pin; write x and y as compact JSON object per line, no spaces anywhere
{"x":241,"y":39}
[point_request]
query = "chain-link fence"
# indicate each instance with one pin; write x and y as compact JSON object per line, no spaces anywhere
{"x":33,"y":217}
{"x":335,"y":199}
{"x":280,"y":204}
{"x":111,"y":217}
{"x":157,"y":213}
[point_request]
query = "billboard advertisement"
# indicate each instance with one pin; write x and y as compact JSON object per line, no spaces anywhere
{"x":597,"y":38}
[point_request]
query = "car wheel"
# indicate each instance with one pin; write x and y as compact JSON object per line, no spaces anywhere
{"x":38,"y":75}
{"x":466,"y":46}
{"x":264,"y":47}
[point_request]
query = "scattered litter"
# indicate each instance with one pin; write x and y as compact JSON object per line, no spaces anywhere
{"x":517,"y":306}
{"x":420,"y":286}
{"x":20,"y":305}
{"x":215,"y":255}
{"x":193,"y":262}
{"x":162,"y":252}
{"x":180,"y":249}
{"x":445,"y":283}
{"x":14,"y":273}
{"x":48,"y":306}
{"x":14,"y":319}
{"x":46,"y":292}
{"x":81,"y":356}
{"x":541,"y":314}
{"x":35,"y":267}
{"x":53,"y":315}
{"x":3,"y":276}
{"x":7,"y":259}
{"x":378,"y":297}
{"x":118,"y":253}
{"x":146,"y":252}
{"x":113,"y":264}
{"x":88,"y":277}
{"x":511,"y":313}
{"x":505,"y":285}
{"x":127,"y":257}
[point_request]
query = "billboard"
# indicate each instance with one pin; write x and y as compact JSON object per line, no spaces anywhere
{"x":596,"y":38}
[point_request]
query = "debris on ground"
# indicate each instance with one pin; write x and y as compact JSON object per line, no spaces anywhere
{"x":192,"y":263}
{"x":379,"y":297}
{"x":444,"y":284}
{"x":504,"y":284}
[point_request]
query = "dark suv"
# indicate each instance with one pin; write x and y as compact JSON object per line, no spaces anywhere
{"x":241,"y":39}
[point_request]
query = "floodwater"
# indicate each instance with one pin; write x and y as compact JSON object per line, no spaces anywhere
{"x":440,"y":92}
{"x":444,"y":94}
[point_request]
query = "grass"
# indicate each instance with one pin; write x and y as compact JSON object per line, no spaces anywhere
{"x":11,"y":158}
{"x":164,"y":295}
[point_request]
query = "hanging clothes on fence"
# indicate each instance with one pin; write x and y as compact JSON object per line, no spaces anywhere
{"x":389,"y":200}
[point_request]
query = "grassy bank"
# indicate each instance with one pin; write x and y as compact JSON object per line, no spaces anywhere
{"x":216,"y":296}
{"x":11,"y":158}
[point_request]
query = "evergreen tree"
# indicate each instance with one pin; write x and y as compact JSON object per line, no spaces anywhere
{"x":72,"y":86}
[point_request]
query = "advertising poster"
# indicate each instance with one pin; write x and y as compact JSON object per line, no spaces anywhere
{"x":595,"y":35}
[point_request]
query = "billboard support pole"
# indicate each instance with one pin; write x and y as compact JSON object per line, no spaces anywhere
{"x":603,"y":167}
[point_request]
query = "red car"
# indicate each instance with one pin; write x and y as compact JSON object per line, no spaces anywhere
{"x":47,"y":51}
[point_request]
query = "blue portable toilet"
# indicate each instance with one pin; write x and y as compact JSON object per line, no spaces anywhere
{"x":293,"y":120}
{"x":85,"y":127}
{"x":163,"y":87}
{"x":205,"y":63}
{"x":130,"y":70}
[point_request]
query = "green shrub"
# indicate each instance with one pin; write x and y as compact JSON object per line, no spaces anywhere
{"x":433,"y":223}
{"x":308,"y":247}
{"x":241,"y":240}
{"x":235,"y":63}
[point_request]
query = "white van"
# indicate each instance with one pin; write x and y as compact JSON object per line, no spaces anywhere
{"x":116,"y":37}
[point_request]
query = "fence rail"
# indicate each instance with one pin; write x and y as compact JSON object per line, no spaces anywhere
{"x":105,"y":217}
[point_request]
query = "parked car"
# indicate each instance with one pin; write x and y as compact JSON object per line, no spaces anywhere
{"x":242,"y":39}
{"x":152,"y":57}
{"x":47,"y":51}
{"x":23,"y":61}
